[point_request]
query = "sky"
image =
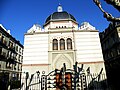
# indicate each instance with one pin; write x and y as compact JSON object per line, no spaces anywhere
{"x":18,"y":16}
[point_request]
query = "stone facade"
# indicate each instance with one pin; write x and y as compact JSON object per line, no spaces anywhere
{"x":110,"y":41}
{"x":62,"y":40}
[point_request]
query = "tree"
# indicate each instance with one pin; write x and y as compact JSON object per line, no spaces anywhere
{"x":108,"y":16}
{"x":114,"y":3}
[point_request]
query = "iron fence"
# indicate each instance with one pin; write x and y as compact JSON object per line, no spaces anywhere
{"x":65,"y":79}
{"x":92,"y":83}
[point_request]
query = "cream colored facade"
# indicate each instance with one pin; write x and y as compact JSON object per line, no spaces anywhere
{"x":39,"y":54}
{"x":11,"y":58}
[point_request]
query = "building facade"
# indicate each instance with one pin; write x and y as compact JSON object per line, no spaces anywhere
{"x":110,"y":41}
{"x":11,"y":57}
{"x":62,"y":40}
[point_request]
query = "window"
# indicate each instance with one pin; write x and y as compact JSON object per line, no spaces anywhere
{"x":55,"y":44}
{"x":69,"y":44}
{"x":65,"y":27}
{"x":62,"y":44}
{"x":19,"y":58}
{"x":20,"y":50}
{"x":118,"y":50}
{"x":10,"y":44}
{"x":0,"y":50}
{"x":4,"y":40}
{"x":16,"y":48}
{"x":0,"y":36}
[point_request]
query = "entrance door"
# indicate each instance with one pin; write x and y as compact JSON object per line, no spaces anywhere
{"x":68,"y":81}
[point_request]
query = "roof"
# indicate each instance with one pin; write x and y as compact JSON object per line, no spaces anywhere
{"x":60,"y":16}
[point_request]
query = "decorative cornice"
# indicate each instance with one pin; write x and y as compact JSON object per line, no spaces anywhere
{"x":65,"y":31}
{"x":91,"y":62}
{"x":35,"y":64}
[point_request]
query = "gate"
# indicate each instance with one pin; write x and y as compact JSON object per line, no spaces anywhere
{"x":65,"y":79}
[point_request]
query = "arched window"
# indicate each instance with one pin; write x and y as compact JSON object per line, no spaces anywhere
{"x":55,"y":44}
{"x":62,"y":44}
{"x":69,"y":44}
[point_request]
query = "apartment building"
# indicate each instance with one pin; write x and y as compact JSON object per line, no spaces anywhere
{"x":110,"y":41}
{"x":11,"y":57}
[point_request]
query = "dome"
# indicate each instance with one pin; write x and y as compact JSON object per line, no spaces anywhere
{"x":60,"y":16}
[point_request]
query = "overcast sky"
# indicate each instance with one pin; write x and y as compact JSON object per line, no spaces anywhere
{"x":19,"y":15}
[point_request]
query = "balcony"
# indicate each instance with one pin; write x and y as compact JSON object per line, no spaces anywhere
{"x":11,"y":60}
{"x":12,"y":49}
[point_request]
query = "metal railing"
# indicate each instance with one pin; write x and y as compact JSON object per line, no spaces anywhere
{"x":91,"y":84}
{"x":56,"y":80}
